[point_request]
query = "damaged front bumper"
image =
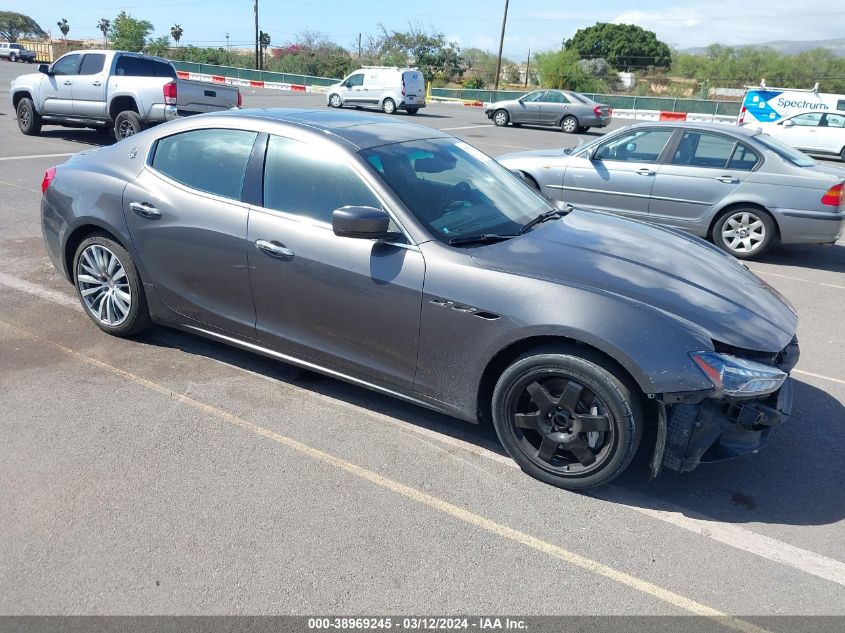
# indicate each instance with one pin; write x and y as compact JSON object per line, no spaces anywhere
{"x":701,"y":428}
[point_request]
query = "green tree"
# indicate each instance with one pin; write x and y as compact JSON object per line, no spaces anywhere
{"x":128,"y":34}
{"x":14,"y":26}
{"x":64,"y":27}
{"x":263,"y":42}
{"x":103,"y":25}
{"x":624,"y":46}
{"x":176,"y":33}
{"x":159,"y":46}
{"x":429,"y":51}
{"x":560,"y":69}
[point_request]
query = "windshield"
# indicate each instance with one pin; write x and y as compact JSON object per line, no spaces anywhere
{"x":785,"y":151}
{"x":454,"y":190}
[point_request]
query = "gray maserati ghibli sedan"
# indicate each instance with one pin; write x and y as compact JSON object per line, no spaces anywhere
{"x":396,"y":257}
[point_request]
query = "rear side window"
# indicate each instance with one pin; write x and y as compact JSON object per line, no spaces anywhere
{"x":744,"y":158}
{"x":834,"y":120}
{"x":92,"y":64}
{"x":698,"y":149}
{"x":213,"y":160}
{"x":304,"y":181}
{"x":555,"y":97}
{"x":129,"y":66}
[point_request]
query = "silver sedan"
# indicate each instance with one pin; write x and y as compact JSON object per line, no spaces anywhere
{"x":570,"y":111}
{"x":737,"y":187}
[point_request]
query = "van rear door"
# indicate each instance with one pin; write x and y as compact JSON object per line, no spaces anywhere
{"x":413,"y":87}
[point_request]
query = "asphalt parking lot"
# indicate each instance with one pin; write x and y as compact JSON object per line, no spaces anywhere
{"x":171,"y":475}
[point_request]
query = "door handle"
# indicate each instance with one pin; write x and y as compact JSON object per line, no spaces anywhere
{"x":145,"y":210}
{"x":68,"y":82}
{"x":645,"y":172}
{"x":727,"y":179}
{"x":274,"y":249}
{"x":97,"y":83}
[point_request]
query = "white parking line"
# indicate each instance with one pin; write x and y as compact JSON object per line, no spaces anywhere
{"x":809,"y":373}
{"x":805,"y":281}
{"x":37,"y":156}
{"x":463,"y":127}
{"x":726,"y":533}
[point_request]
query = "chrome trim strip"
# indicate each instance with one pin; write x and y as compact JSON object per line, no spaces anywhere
{"x":303,"y":363}
{"x":626,"y":194}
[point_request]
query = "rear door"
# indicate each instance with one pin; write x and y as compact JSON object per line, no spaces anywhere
{"x":89,"y":91}
{"x":704,"y":168}
{"x":620,"y":176}
{"x":832,"y":133}
{"x":57,"y":87}
{"x":413,"y":85}
{"x":552,"y":108}
{"x":189,"y":225}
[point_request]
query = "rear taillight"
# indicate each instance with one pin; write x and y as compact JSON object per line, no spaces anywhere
{"x":597,"y":110}
{"x":833,"y":197}
{"x":170,"y":93}
{"x":403,"y":86}
{"x":240,"y":99}
{"x":48,"y":178}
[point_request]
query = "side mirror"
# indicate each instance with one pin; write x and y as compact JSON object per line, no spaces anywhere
{"x":590,"y":154}
{"x":788,"y":123}
{"x":366,"y":223}
{"x":44,"y":68}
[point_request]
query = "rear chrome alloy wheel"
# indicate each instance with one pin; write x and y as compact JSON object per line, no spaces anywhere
{"x":743,"y":232}
{"x":103,"y":285}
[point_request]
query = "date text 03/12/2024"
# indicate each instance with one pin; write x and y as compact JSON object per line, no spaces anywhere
{"x":417,"y":623}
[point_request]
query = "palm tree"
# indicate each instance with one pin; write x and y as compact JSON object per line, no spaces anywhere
{"x":64,"y":27}
{"x":104,"y":26}
{"x":264,"y":42}
{"x":176,"y":33}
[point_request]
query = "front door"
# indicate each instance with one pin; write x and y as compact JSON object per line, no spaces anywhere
{"x":189,"y":226}
{"x":800,"y":131}
{"x":57,"y":87}
{"x":350,"y":303}
{"x":704,"y":168}
{"x":89,"y":90}
{"x":353,"y":89}
{"x":527,"y":109}
{"x":620,"y":175}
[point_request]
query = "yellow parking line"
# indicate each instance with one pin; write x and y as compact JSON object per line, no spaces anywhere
{"x":435,"y":503}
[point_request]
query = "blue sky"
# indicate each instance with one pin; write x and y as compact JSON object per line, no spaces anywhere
{"x":532,"y":24}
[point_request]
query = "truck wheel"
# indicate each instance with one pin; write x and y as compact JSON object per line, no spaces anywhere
{"x":389,"y":106}
{"x":29,"y":121}
{"x":126,"y":124}
{"x":13,"y":57}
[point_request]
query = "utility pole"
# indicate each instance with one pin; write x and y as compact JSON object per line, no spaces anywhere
{"x":227,"y":42}
{"x":527,"y":67}
{"x":359,"y":46}
{"x":257,"y":59}
{"x":501,"y":43}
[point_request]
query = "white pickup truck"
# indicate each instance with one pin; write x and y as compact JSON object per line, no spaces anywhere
{"x":112,"y":91}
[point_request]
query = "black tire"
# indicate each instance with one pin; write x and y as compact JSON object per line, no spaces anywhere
{"x":501,"y":118}
{"x":13,"y":57}
{"x":137,"y":317}
{"x":126,"y":124}
{"x":335,"y":101}
{"x":541,"y":401}
{"x":569,"y":124}
{"x":412,"y":110}
{"x":29,"y":121}
{"x":388,"y":106}
{"x":744,"y":232}
{"x":842,"y":155}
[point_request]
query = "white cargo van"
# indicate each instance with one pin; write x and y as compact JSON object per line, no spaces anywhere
{"x":388,"y":88}
{"x":768,"y":105}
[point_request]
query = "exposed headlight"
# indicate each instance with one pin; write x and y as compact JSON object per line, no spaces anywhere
{"x":737,"y":376}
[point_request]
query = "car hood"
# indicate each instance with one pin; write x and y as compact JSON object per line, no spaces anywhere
{"x":670,"y":271}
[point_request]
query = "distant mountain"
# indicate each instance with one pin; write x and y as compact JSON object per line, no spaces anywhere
{"x":787,"y":47}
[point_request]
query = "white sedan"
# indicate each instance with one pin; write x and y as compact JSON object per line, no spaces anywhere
{"x":817,"y":132}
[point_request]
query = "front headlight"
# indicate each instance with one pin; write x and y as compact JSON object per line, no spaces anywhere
{"x":737,"y":376}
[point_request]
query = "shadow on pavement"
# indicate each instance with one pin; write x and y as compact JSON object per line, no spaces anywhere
{"x":815,"y":256}
{"x":83,"y":136}
{"x":796,"y":479}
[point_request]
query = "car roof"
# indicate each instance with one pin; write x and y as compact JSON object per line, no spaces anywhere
{"x":724,"y":128}
{"x":362,"y":131}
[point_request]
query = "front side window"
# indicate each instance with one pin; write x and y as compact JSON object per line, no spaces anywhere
{"x":811,"y":119}
{"x":355,"y":80}
{"x":213,"y":161}
{"x":699,"y":149}
{"x":304,"y":180}
{"x":92,"y":64}
{"x":453,"y":189}
{"x":534,"y":97}
{"x":640,"y":146}
{"x":67,"y":65}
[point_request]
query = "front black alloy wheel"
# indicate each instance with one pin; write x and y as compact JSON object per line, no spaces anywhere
{"x":29,"y":121}
{"x":566,"y":420}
